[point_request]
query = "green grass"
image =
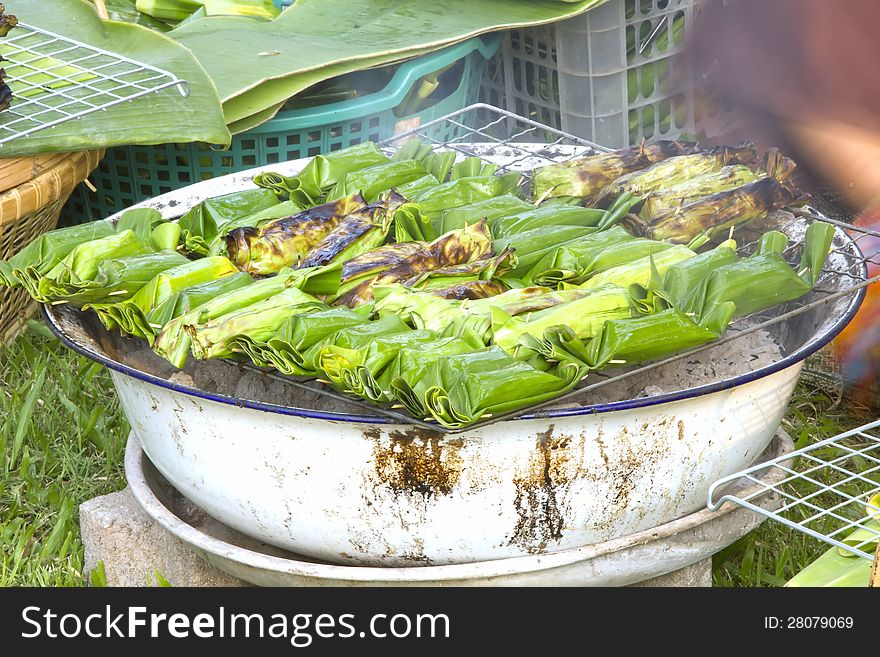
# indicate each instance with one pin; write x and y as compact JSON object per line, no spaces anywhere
{"x":62,"y":438}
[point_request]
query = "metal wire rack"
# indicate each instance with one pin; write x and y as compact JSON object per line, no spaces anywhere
{"x":487,"y":131}
{"x":828,"y":490}
{"x":471,"y":130}
{"x":55,"y":79}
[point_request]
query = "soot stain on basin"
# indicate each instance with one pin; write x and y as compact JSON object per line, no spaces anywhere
{"x":540,"y":498}
{"x":417,"y":462}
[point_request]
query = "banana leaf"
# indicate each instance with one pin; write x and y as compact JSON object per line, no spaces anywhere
{"x":489,"y":209}
{"x":130,"y":315}
{"x":185,"y":300}
{"x":834,"y":570}
{"x":217,"y":246}
{"x":428,"y":311}
{"x":676,"y":170}
{"x":277,"y":60}
{"x":287,"y":241}
{"x":532,"y":245}
{"x":584,"y":316}
{"x":471,"y":167}
{"x":418,"y":186}
{"x":764,"y":279}
{"x":81,"y":264}
{"x":117,"y":279}
{"x":464,"y":191}
{"x":398,"y":263}
{"x":372,"y":181}
{"x":668,"y":199}
{"x":173,"y":342}
{"x":530,"y":218}
{"x":639,"y":272}
{"x":590,"y":255}
{"x":158,"y":118}
{"x":404,"y":379}
{"x":286,"y":350}
{"x":219,"y":337}
{"x":125,"y":10}
{"x":357,"y":369}
{"x":714,"y":215}
{"x":356,"y":234}
{"x":213,"y":217}
{"x":683,"y":282}
{"x":43,"y":253}
{"x":464,"y":388}
{"x":586,"y":177}
{"x":468,"y":289}
{"x":310,"y":186}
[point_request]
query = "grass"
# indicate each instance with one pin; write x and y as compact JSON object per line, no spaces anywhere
{"x":62,"y":438}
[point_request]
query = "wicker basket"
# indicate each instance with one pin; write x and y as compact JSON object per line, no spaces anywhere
{"x":32,"y":193}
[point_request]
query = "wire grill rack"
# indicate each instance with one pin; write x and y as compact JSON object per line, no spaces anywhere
{"x":55,"y":79}
{"x":828,"y":490}
{"x":484,"y":130}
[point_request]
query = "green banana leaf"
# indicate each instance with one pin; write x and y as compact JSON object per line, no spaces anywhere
{"x":286,"y":350}
{"x":125,"y":10}
{"x":220,"y":337}
{"x":584,"y":316}
{"x":157,"y":118}
{"x":274,"y":61}
{"x":117,"y":279}
{"x":372,"y":181}
{"x":640,"y":271}
{"x":682,"y":284}
{"x":310,"y":186}
{"x":45,"y":252}
{"x":130,"y":315}
{"x":489,"y":209}
{"x":418,"y":186}
{"x":463,"y":388}
{"x":81,"y":264}
{"x":185,"y":300}
{"x":357,"y":369}
{"x":834,"y":570}
{"x":592,"y":254}
{"x":464,"y":191}
{"x":512,"y":223}
{"x":205,"y":222}
{"x":173,"y":342}
{"x":532,"y":245}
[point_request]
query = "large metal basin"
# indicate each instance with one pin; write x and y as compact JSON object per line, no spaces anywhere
{"x":361,"y":490}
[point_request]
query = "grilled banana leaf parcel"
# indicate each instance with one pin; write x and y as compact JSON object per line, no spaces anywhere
{"x":640,"y":271}
{"x":311,"y":185}
{"x":49,"y":249}
{"x":287,"y":241}
{"x":585,"y":177}
{"x":117,"y":279}
{"x":130,"y":315}
{"x":766,"y":279}
{"x":185,"y":300}
{"x":675,"y":170}
{"x":219,"y":337}
{"x":173,"y":342}
{"x":82,"y":263}
{"x":372,"y":181}
{"x":489,"y":209}
{"x":532,"y":245}
{"x":454,"y":248}
{"x":459,"y":389}
{"x":669,"y":199}
{"x":530,"y":218}
{"x":465,"y":191}
{"x":286,"y":350}
{"x":714,"y":215}
{"x":581,"y":258}
{"x":584,"y":316}
{"x":211,"y":218}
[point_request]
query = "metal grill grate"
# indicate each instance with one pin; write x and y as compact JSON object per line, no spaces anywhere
{"x":827,"y":490}
{"x":55,"y":79}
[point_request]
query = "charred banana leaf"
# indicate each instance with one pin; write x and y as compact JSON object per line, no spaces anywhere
{"x":214,"y":217}
{"x":587,"y":176}
{"x":669,"y":199}
{"x":716,"y":214}
{"x":286,"y":242}
{"x":676,"y":170}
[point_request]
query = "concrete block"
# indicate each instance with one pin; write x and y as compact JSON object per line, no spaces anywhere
{"x":133,"y":547}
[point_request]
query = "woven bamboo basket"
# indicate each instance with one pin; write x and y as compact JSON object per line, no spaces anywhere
{"x":32,"y":192}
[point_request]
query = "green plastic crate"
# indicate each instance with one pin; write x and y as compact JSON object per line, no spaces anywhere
{"x":130,"y":174}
